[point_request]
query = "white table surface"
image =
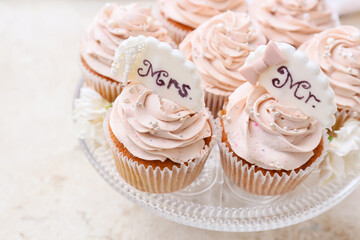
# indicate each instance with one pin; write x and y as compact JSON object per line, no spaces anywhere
{"x":48,"y":189}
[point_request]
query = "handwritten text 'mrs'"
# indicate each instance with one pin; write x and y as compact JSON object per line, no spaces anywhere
{"x":160,"y":75}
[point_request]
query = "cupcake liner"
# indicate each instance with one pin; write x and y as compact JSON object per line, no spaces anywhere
{"x":156,"y":180}
{"x":342,"y":115}
{"x":215,"y":102}
{"x":244,"y":175}
{"x":107,"y":89}
{"x":176,"y":33}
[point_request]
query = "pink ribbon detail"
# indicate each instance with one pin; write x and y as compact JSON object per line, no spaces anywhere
{"x":272,"y":56}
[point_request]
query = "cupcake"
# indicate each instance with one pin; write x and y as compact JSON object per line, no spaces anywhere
{"x":273,"y":132}
{"x":219,"y":48}
{"x":112,"y":25}
{"x":337,"y":51}
{"x":158,"y":129}
{"x":181,"y":17}
{"x":292,"y":22}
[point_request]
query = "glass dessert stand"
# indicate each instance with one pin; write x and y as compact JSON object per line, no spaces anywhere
{"x":212,"y":202}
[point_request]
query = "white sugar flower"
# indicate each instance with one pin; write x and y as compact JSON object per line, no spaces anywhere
{"x":343,"y":158}
{"x":89,"y":113}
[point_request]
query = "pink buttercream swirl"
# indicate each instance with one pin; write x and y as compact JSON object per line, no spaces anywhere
{"x":192,"y":13}
{"x":219,"y":48}
{"x":269,"y":134}
{"x":337,"y":51}
{"x":112,"y":25}
{"x":291,"y":21}
{"x":155,"y":128}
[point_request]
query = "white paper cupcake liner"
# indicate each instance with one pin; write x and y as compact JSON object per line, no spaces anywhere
{"x":107,"y":89}
{"x":244,"y":176}
{"x":215,"y":102}
{"x":156,"y":180}
{"x":342,"y":115}
{"x":176,"y":33}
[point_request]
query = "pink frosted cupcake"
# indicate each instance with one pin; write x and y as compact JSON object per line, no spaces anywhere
{"x":181,"y":17}
{"x":268,"y":148}
{"x":274,"y":125}
{"x":292,"y":22}
{"x":159,"y":147}
{"x":337,"y":51}
{"x":159,"y":130}
{"x":219,"y":48}
{"x":112,"y":25}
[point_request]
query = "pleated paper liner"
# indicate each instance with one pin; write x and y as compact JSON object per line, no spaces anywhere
{"x":108,"y":89}
{"x":175,"y":30}
{"x":341,"y":116}
{"x":260,"y":181}
{"x":157,"y":180}
{"x":215,"y":102}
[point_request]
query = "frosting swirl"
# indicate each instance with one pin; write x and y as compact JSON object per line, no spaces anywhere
{"x":337,"y":51}
{"x":192,"y":13}
{"x":154,"y":128}
{"x":219,"y":48}
{"x":291,"y":21}
{"x":266,"y":133}
{"x":112,"y":25}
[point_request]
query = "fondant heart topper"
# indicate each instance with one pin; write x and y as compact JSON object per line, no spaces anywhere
{"x":160,"y":68}
{"x":291,"y":78}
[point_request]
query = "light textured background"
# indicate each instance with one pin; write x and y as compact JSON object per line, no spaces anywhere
{"x":48,"y":189}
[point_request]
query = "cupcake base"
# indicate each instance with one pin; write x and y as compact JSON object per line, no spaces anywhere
{"x":156,"y":176}
{"x":106,"y":87}
{"x":256,"y":180}
{"x":341,"y":116}
{"x":215,"y":102}
{"x":176,"y":31}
